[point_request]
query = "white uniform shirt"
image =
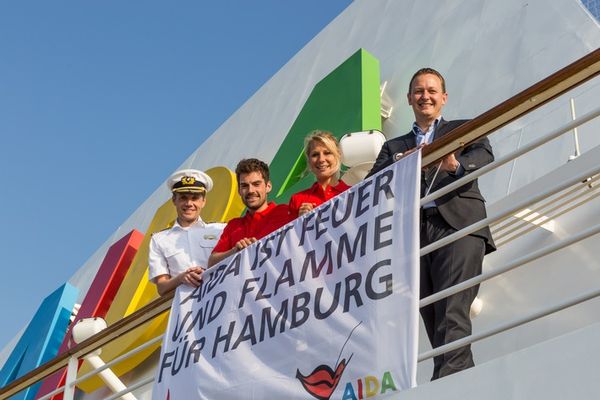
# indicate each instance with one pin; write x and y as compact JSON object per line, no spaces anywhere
{"x":174,"y":250}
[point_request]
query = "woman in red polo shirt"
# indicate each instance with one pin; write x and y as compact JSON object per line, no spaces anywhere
{"x":324,"y":160}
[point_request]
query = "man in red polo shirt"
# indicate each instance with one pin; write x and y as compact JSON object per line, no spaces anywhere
{"x":261,"y":217}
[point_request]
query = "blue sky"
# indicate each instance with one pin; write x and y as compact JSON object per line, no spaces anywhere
{"x":98,"y":98}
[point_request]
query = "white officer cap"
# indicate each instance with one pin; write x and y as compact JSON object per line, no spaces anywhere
{"x":189,"y":181}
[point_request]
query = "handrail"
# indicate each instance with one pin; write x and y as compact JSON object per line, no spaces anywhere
{"x":118,"y":359}
{"x":568,"y":196}
{"x":549,"y":213}
{"x":518,"y":105}
{"x":561,"y":130}
{"x":508,"y":325}
{"x":511,"y":210}
{"x":519,"y":262}
{"x":141,"y":316}
{"x":131,"y":388}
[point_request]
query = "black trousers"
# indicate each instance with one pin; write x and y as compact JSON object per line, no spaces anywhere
{"x":448,"y":319}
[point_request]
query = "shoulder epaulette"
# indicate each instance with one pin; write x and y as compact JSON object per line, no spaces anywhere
{"x":162,"y":230}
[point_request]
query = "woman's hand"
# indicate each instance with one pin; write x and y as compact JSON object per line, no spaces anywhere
{"x":305,"y":208}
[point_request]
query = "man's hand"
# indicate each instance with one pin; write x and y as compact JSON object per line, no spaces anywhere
{"x":191,"y":276}
{"x":216,"y":256}
{"x":305,"y":208}
{"x":449,"y":163}
{"x":399,"y":156}
{"x":245,"y":242}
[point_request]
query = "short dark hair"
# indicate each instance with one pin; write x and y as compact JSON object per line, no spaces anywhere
{"x":249,"y":165}
{"x":424,"y":71}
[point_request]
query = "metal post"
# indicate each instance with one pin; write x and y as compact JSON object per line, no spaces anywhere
{"x":575,"y":134}
{"x":72,"y":366}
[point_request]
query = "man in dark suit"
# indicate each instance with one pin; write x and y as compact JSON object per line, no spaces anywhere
{"x":448,"y":319}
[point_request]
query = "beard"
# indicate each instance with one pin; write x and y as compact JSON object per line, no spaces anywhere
{"x":254,"y":202}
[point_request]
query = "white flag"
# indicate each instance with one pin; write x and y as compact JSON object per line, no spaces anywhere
{"x":326,"y":307}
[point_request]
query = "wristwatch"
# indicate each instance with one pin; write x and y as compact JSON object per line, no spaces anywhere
{"x":398,"y":156}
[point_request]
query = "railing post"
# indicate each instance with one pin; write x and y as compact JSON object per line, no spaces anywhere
{"x":72,"y":366}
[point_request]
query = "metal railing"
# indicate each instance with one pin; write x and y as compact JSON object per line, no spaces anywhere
{"x":136,"y":319}
{"x":559,"y":83}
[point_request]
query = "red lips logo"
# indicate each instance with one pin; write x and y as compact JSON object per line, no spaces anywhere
{"x":322,"y":382}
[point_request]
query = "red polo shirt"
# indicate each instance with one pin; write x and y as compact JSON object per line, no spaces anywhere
{"x":316,"y":195}
{"x":257,"y":225}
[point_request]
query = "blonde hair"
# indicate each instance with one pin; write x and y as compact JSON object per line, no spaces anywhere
{"x":330,"y":142}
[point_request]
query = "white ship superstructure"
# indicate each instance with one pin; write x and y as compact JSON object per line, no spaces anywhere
{"x":489,"y":51}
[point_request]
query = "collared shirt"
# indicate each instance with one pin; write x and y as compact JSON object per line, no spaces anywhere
{"x":178,"y":248}
{"x":427,"y":136}
{"x":257,"y":225}
{"x":315,"y":195}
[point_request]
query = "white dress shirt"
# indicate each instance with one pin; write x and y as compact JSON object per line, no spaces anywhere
{"x":174,"y":250}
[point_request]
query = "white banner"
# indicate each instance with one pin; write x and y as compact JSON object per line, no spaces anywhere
{"x":326,"y":307}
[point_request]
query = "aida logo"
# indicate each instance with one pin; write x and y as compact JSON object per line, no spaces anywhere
{"x":369,"y":387}
{"x":321,"y":383}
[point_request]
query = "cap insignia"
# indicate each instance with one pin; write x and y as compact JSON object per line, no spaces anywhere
{"x":188,"y":180}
